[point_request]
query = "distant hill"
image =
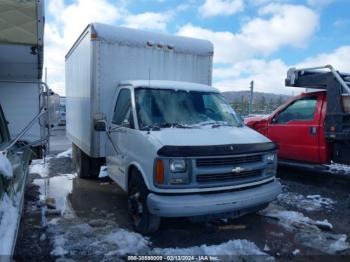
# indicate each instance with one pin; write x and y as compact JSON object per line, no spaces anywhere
{"x":263,"y":103}
{"x":236,"y":96}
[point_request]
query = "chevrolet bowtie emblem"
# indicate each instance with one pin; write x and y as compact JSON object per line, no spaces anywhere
{"x":237,"y":170}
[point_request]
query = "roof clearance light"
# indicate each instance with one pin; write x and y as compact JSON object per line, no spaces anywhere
{"x":93,"y":36}
{"x":150,"y":44}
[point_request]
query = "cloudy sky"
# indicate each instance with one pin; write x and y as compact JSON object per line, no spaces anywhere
{"x":253,"y":39}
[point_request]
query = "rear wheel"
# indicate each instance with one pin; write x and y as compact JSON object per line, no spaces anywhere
{"x":143,"y":221}
{"x":85,"y":166}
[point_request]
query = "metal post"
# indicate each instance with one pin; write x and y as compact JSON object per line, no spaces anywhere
{"x":251,"y":97}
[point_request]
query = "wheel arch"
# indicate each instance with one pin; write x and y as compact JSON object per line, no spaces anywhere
{"x":135,"y":166}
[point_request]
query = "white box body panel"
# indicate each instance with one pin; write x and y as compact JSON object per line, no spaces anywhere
{"x":78,"y":96}
{"x":94,"y":68}
{"x":21,"y":103}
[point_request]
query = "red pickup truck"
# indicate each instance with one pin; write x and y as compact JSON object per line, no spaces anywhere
{"x":297,"y":128}
{"x":314,"y":127}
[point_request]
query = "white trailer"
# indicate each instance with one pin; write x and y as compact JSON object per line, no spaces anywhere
{"x":27,"y":108}
{"x":24,"y":98}
{"x":105,"y":55}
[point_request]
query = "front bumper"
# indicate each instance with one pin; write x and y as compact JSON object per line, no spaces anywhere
{"x":213,"y":203}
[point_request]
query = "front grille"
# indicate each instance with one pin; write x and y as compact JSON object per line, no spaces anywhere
{"x":227,"y":176}
{"x":227,"y":161}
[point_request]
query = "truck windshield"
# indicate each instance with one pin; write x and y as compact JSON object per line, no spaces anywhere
{"x":182,"y":109}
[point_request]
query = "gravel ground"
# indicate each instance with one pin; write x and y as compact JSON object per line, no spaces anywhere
{"x":67,"y":217}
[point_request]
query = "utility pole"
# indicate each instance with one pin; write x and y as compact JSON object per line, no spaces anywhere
{"x":251,"y":97}
{"x":46,"y":75}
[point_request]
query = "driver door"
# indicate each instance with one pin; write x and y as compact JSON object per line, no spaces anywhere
{"x":117,"y":146}
{"x":296,"y":129}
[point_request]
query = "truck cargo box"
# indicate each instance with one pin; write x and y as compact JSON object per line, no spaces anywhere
{"x":105,"y":55}
{"x":21,"y":63}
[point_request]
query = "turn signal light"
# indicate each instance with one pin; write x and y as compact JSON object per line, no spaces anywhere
{"x":159,"y":171}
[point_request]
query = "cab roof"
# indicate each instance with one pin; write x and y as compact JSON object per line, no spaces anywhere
{"x":177,"y":85}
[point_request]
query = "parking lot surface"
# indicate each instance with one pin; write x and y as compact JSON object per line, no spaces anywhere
{"x":70,"y":218}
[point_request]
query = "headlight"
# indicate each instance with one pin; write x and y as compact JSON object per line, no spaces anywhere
{"x":270,"y":158}
{"x":178,"y":166}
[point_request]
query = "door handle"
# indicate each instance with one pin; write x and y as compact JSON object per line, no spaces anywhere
{"x":313,"y":130}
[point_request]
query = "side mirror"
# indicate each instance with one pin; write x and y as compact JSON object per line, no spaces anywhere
{"x":100,"y":125}
{"x":274,"y":120}
{"x":125,"y":123}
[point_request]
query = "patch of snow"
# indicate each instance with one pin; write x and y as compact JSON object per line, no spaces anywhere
{"x":235,"y":248}
{"x":58,"y":244}
{"x":127,"y":242}
{"x":339,"y":168}
{"x":109,"y":242}
{"x":319,"y":200}
{"x":42,"y":237}
{"x":324,"y":224}
{"x":9,"y":215}
{"x":67,"y":153}
{"x":266,"y":248}
{"x":5,"y":167}
{"x":307,"y":231}
{"x":340,"y":244}
{"x":309,"y":203}
{"x":296,"y":252}
{"x":54,"y":221}
{"x":40,"y":167}
{"x":289,"y":219}
{"x":103,"y":172}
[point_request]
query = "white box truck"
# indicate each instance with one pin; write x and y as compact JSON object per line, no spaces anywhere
{"x":143,"y":103}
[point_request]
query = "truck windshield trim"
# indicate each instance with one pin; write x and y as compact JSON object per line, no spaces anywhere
{"x":170,"y":108}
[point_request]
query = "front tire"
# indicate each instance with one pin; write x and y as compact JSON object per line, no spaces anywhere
{"x":143,"y":221}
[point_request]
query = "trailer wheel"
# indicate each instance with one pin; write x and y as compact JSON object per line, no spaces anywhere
{"x":143,"y":221}
{"x":84,"y":165}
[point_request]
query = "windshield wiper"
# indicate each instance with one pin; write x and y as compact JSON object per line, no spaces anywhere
{"x":176,"y":125}
{"x":157,"y":127}
{"x":150,"y":127}
{"x":215,"y":124}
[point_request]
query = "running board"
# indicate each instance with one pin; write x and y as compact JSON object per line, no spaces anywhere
{"x":314,"y":167}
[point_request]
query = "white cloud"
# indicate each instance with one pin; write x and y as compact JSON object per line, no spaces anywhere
{"x":280,"y":25}
{"x":212,"y":8}
{"x":67,"y":21}
{"x":66,"y":24}
{"x":339,"y":58}
{"x":148,"y":20}
{"x":269,"y":75}
{"x":285,"y":25}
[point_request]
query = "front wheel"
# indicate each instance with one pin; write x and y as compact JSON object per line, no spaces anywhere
{"x":143,"y":221}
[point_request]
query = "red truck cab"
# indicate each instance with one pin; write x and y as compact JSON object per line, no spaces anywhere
{"x":297,"y":127}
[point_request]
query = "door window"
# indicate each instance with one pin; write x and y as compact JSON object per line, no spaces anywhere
{"x":302,"y":110}
{"x":123,"y":112}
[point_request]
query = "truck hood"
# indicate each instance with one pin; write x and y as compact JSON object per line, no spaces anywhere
{"x":207,"y":136}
